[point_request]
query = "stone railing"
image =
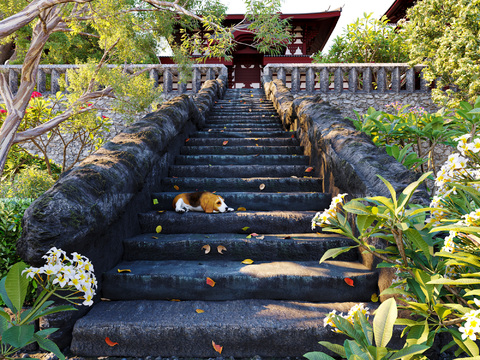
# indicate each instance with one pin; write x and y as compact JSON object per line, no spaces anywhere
{"x":167,"y":76}
{"x":354,"y":78}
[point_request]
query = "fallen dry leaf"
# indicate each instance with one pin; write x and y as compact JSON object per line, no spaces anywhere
{"x":159,"y":229}
{"x":261,"y":237}
{"x":123,"y":270}
{"x":262,"y":186}
{"x":206,"y":248}
{"x":210,"y":282}
{"x":217,"y":348}
{"x":374,"y":298}
{"x":309,"y":169}
{"x":241,"y":209}
{"x":161,"y":211}
{"x":221,"y":248}
{"x":176,"y":187}
{"x":110,"y":342}
{"x":249,"y":236}
{"x":154,"y":237}
{"x":247,"y":261}
{"x":349,"y":281}
{"x":155,"y":201}
{"x":187,"y":140}
{"x":246,"y":228}
{"x":225,"y":142}
{"x":199,"y":311}
{"x":254,"y":234}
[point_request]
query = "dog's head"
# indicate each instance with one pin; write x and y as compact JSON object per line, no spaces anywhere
{"x":213,"y":203}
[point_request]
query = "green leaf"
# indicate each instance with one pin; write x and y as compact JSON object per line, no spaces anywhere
{"x":16,"y":285}
{"x":352,"y":349}
{"x":3,"y":325}
{"x":390,"y":188}
{"x":56,"y":309}
{"x":462,"y":281}
{"x":316,"y":355}
{"x":333,"y":253}
{"x":18,"y":336}
{"x":364,"y":222}
{"x":383,"y":322}
{"x":410,"y":350}
{"x":48,"y":345}
{"x":416,"y":238}
{"x":5,"y":298}
{"x":336,"y":348}
{"x":356,"y":207}
{"x":366,"y":327}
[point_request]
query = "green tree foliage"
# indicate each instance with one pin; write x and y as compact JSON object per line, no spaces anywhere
{"x":364,"y":41}
{"x":445,"y":36}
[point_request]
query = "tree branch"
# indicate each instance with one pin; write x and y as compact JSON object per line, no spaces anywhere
{"x":6,"y":93}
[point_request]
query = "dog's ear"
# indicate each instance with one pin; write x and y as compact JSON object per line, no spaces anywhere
{"x":207,"y":203}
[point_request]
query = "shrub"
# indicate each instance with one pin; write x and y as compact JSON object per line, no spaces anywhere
{"x":30,"y":183}
{"x":11,"y":213}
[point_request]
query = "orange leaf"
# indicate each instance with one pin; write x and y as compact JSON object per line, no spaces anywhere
{"x":349,"y":281}
{"x":110,"y":342}
{"x":176,"y":187}
{"x":199,"y":311}
{"x":187,"y":140}
{"x":154,"y":237}
{"x":221,"y":248}
{"x":309,"y":169}
{"x":210,"y":282}
{"x":175,"y":300}
{"x":206,"y":248}
{"x":225,"y":142}
{"x":241,"y":209}
{"x":293,"y":136}
{"x":217,"y":348}
{"x":123,"y":270}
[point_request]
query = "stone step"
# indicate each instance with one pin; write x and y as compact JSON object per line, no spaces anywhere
{"x":265,"y":200}
{"x":249,"y":141}
{"x":241,"y":129}
{"x":192,"y":184}
{"x":242,"y":105}
{"x":260,"y":222}
{"x":251,"y":124}
{"x":243,"y":134}
{"x":269,"y":247}
{"x":242,"y":171}
{"x":241,"y":121}
{"x":279,"y":280}
{"x":244,"y":328}
{"x":243,"y":116}
{"x":242,"y":159}
{"x":241,"y":150}
{"x":245,"y":112}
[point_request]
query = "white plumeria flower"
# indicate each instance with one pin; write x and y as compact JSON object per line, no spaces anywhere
{"x":467,"y":332}
{"x":474,"y":146}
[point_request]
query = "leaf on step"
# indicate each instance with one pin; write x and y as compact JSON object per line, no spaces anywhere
{"x":160,"y":211}
{"x":210,"y":282}
{"x":225,"y":142}
{"x":256,"y":139}
{"x":263,"y":115}
{"x":175,"y":300}
{"x":206,"y":248}
{"x":261,"y":237}
{"x":257,"y":145}
{"x":241,"y":209}
{"x":221,"y":106}
{"x":155,"y":201}
{"x":217,"y":347}
{"x":199,"y":311}
{"x":293,"y":136}
{"x":272,"y":115}
{"x":254,"y":234}
{"x":123,"y":270}
{"x":251,"y":95}
{"x":221,"y":248}
{"x":247,"y":261}
{"x":210,"y":130}
{"x":154,"y":237}
{"x":349,"y":281}
{"x":294,"y":177}
{"x":246,"y":228}
{"x":250,"y":110}
{"x":256,"y":155}
{"x":158,"y":229}
{"x":374,"y":297}
{"x":309,"y":169}
{"x":176,"y":187}
{"x":262,"y":186}
{"x":249,"y":236}
{"x":187,"y":140}
{"x":110,"y":342}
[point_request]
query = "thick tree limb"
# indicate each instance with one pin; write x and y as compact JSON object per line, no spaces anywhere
{"x":57,"y":120}
{"x":11,"y":24}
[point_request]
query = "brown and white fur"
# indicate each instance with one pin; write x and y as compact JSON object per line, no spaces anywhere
{"x":200,"y":201}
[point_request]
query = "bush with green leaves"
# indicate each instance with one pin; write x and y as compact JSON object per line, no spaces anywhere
{"x":437,"y":277}
{"x":445,"y":36}
{"x":29,"y":183}
{"x":364,"y":41}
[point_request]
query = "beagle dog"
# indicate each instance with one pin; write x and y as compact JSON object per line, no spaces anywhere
{"x":200,"y":201}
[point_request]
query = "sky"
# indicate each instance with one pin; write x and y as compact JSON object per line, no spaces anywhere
{"x":351,"y":10}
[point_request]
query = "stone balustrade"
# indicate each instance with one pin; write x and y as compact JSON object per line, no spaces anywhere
{"x":167,"y":76}
{"x":354,"y":78}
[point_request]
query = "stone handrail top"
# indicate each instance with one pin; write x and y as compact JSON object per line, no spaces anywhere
{"x":346,"y":65}
{"x":140,"y":66}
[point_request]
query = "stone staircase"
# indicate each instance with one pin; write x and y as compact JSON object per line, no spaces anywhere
{"x":157,"y":302}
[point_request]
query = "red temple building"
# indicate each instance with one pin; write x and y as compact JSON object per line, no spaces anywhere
{"x":310,"y":34}
{"x":398,"y":10}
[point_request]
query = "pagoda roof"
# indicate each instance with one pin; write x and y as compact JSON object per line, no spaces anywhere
{"x":398,"y":10}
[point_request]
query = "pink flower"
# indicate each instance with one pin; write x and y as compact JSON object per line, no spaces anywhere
{"x":104,"y":117}
{"x":3,"y":111}
{"x":36,"y":94}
